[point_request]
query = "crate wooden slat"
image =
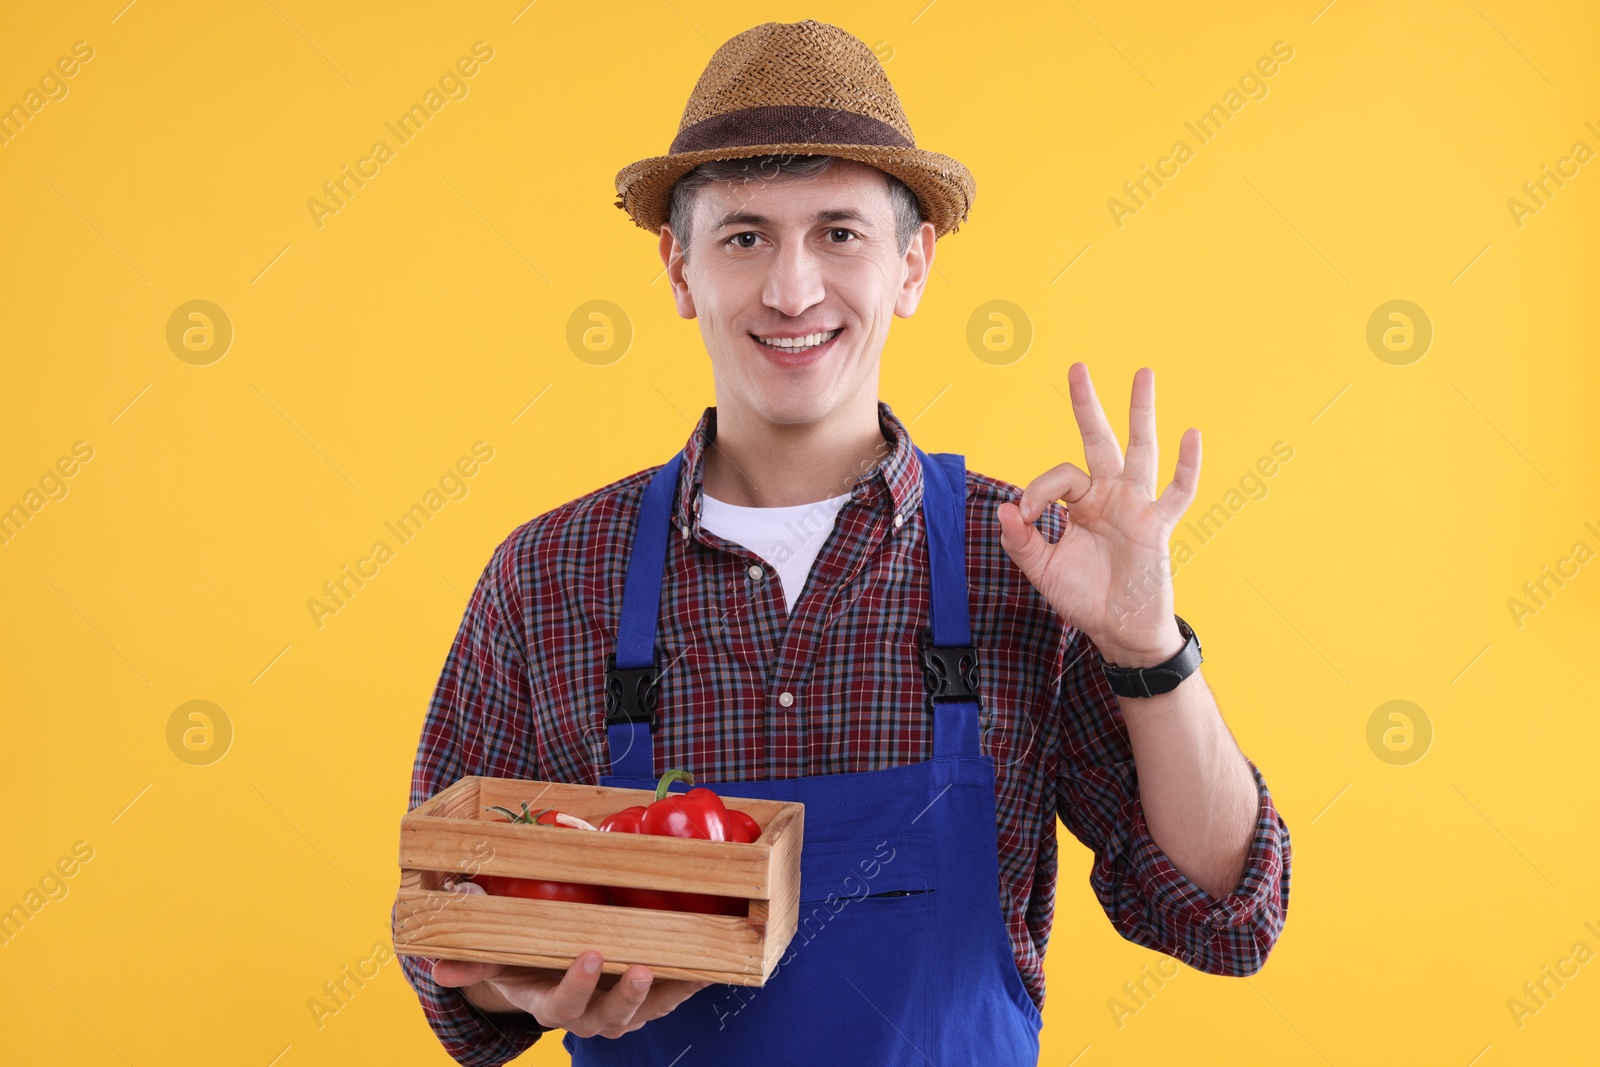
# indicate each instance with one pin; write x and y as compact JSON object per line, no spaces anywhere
{"x":451,"y":833}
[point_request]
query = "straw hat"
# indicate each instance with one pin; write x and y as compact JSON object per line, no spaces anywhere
{"x":807,"y":88}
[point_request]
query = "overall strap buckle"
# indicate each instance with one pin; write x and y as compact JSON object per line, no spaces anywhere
{"x":950,"y":672}
{"x":631,"y":693}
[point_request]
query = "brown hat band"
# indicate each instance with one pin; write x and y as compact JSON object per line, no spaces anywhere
{"x":784,"y":124}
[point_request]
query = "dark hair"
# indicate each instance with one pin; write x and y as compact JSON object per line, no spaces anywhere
{"x":907,"y":211}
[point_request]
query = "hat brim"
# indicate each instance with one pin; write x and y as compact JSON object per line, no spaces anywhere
{"x":945,"y":189}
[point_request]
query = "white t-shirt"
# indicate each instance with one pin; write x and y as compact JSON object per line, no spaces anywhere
{"x":787,"y":538}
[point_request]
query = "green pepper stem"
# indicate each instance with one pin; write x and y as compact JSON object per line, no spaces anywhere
{"x":508,"y":813}
{"x":671,"y":776}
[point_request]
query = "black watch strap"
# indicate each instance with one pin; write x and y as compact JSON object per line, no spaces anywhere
{"x":1163,"y":677}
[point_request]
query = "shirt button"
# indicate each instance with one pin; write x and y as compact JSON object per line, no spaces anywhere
{"x":756,"y":572}
{"x":786,"y":698}
{"x":898,"y":520}
{"x":685,"y":530}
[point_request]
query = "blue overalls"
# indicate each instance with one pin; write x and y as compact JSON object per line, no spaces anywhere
{"x":901,"y":955}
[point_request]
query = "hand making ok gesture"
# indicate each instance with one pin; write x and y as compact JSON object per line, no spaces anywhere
{"x":1109,"y":575}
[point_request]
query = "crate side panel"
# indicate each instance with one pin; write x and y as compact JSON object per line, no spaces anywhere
{"x":783,"y":907}
{"x":711,"y":946}
{"x":718,"y":867}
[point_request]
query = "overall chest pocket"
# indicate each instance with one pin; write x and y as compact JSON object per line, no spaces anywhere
{"x":839,"y":873}
{"x":867,"y":920}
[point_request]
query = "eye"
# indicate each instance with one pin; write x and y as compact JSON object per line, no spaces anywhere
{"x":839,"y":230}
{"x":737,"y":236}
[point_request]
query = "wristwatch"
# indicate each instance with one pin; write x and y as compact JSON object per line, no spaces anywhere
{"x":1163,"y":677}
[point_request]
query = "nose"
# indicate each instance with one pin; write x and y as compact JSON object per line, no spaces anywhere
{"x":794,"y":281}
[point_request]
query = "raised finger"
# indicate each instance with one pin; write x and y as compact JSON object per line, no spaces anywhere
{"x":1144,"y":456}
{"x":1180,"y":492}
{"x":1100,"y":446}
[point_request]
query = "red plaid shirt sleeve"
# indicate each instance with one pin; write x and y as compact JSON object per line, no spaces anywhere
{"x":1149,"y":901}
{"x":476,"y":725}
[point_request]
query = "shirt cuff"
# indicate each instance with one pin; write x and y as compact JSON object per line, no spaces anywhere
{"x":472,"y":1037}
{"x":1230,"y":935}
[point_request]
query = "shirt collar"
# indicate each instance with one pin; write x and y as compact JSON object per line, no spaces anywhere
{"x":894,"y":483}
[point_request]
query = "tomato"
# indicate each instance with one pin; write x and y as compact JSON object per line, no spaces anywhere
{"x":539,"y":889}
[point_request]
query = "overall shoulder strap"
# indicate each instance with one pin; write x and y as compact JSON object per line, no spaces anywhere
{"x":949,"y":659}
{"x":631,"y":671}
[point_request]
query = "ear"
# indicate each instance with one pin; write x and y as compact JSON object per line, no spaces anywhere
{"x":672,"y":256}
{"x":918,"y":265}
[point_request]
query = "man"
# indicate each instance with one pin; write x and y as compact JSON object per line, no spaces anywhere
{"x":937,"y":664}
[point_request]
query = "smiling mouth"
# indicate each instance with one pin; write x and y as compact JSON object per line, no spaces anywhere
{"x":794,"y":346}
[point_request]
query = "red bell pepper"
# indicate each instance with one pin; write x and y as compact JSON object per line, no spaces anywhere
{"x":626,"y":821}
{"x":742,"y":826}
{"x":538,"y":888}
{"x":700,"y":814}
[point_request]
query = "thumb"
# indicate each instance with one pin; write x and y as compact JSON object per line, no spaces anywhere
{"x":463,"y":972}
{"x":1025,"y":545}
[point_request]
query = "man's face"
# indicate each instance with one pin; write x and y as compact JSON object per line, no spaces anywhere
{"x":784,"y":258}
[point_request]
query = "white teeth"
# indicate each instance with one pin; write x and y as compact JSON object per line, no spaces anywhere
{"x":810,"y":340}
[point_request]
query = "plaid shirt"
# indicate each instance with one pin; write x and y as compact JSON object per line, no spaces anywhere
{"x":522,"y":696}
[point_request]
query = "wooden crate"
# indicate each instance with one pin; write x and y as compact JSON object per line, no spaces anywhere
{"x":453,"y":834}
